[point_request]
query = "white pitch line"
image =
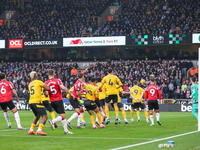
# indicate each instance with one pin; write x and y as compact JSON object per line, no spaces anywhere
{"x":128,"y":146}
{"x":68,"y":137}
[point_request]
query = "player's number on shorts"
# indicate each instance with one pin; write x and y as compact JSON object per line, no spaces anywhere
{"x":3,"y":91}
{"x":152,"y":91}
{"x":53,"y":90}
{"x":110,"y":83}
{"x":136,"y":92}
{"x":32,"y":90}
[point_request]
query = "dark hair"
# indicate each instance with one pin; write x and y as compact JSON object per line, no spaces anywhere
{"x":74,"y":81}
{"x":98,"y":79}
{"x":89,"y":78}
{"x":135,"y":82}
{"x":152,"y":78}
{"x":51,"y":72}
{"x":93,"y":80}
{"x":80,"y":75}
{"x":2,"y":75}
{"x":110,"y":70}
{"x":193,"y":79}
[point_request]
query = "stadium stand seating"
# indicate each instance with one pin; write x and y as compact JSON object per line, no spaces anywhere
{"x":165,"y":72}
{"x":46,"y":19}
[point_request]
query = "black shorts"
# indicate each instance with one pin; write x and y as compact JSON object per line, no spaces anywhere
{"x":75,"y":103}
{"x":119,"y":105}
{"x":97,"y":102}
{"x":138,"y":105}
{"x":90,"y":105}
{"x":8,"y":104}
{"x":58,"y":106}
{"x":111,"y":97}
{"x":38,"y":109}
{"x":102,"y":102}
{"x":47,"y":105}
{"x":153,"y":104}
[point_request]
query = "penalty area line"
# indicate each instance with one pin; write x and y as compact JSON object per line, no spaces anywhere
{"x":157,"y":140}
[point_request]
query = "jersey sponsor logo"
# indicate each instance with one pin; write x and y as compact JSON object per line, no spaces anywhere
{"x":16,"y":43}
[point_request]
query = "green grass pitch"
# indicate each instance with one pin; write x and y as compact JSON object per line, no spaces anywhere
{"x":113,"y":136}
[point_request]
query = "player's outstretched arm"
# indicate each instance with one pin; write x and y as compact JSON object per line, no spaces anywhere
{"x":15,"y":94}
{"x":66,"y":90}
{"x":124,"y":92}
{"x":46,"y":88}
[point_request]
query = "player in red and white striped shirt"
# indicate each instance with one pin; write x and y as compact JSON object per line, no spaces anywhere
{"x":77,"y":92}
{"x":6,"y":90}
{"x":152,"y":91}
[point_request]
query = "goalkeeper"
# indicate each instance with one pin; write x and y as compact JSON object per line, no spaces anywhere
{"x":194,"y":95}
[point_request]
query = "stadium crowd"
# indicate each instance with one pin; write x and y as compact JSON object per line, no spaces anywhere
{"x":155,"y":17}
{"x":48,"y":19}
{"x":170,"y":75}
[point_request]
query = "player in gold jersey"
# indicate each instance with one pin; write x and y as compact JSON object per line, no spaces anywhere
{"x":35,"y":104}
{"x":46,"y":102}
{"x":137,"y":101}
{"x":120,"y":105}
{"x":111,"y":82}
{"x":102,"y":96}
{"x":90,"y":104}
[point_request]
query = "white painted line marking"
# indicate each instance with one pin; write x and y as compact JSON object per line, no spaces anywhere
{"x":102,"y":138}
{"x":128,"y":146}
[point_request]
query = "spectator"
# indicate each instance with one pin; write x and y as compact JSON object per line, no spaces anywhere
{"x":74,"y":71}
{"x":176,"y":95}
{"x":184,"y":86}
{"x":182,"y":94}
{"x":20,"y":93}
{"x":177,"y":80}
{"x":171,"y":88}
{"x":26,"y":96}
{"x":188,"y":93}
{"x":165,"y":91}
